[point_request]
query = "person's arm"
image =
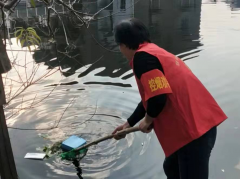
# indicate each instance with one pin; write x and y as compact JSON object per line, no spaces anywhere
{"x":137,"y":115}
{"x":155,"y":107}
{"x":143,"y":63}
{"x":156,"y":104}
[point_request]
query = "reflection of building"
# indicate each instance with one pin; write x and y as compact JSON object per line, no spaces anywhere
{"x":24,"y":10}
{"x":103,"y":32}
{"x":235,"y":4}
{"x":124,"y":8}
{"x":173,"y":24}
{"x":155,"y":4}
{"x":120,"y":9}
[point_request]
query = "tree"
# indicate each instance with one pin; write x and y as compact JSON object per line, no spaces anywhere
{"x":7,"y":164}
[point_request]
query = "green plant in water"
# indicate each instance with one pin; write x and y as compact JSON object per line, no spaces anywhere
{"x":70,"y":155}
{"x":27,"y":36}
{"x":51,"y":150}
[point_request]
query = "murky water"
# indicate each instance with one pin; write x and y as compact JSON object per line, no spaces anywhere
{"x":96,"y":90}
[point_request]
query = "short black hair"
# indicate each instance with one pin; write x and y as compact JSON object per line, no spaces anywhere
{"x":131,"y":32}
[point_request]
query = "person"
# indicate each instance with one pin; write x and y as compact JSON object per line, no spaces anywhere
{"x":182,"y":112}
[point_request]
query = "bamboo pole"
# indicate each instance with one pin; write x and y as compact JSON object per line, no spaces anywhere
{"x":123,"y":132}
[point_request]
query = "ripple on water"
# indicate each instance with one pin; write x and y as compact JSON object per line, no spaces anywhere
{"x":101,"y":159}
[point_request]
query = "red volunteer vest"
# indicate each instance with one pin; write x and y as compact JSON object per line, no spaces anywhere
{"x":190,"y":110}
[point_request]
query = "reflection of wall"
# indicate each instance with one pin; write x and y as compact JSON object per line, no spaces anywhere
{"x":187,"y":3}
{"x":235,"y":4}
{"x":141,"y":11}
{"x":155,"y":4}
{"x":175,"y":26}
{"x":105,"y":27}
{"x":103,"y":32}
{"x":122,"y":6}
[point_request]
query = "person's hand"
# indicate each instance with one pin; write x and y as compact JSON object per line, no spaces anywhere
{"x":119,"y":128}
{"x":146,"y":125}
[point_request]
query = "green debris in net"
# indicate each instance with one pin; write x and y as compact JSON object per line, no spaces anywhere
{"x":51,"y":150}
{"x":72,"y":154}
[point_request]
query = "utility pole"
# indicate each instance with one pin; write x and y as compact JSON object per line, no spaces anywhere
{"x":7,"y":163}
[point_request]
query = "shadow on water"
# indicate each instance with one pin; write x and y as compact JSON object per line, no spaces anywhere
{"x":93,"y":72}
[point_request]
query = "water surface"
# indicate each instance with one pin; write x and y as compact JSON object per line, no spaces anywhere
{"x":96,"y":90}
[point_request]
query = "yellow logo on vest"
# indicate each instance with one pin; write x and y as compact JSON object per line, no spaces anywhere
{"x":158,"y":83}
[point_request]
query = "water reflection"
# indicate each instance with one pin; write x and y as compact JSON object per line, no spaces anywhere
{"x":235,"y":5}
{"x":174,"y":25}
{"x":91,"y":72}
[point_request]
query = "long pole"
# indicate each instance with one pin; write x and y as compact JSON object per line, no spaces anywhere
{"x":123,"y":132}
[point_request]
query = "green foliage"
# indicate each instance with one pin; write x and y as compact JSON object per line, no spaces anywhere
{"x":51,"y":150}
{"x":27,"y":36}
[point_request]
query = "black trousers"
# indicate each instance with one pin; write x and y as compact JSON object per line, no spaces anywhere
{"x":192,"y":160}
